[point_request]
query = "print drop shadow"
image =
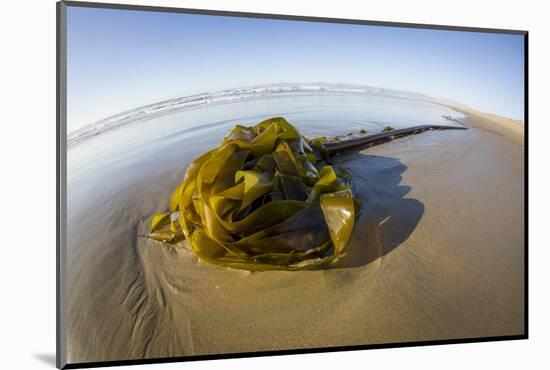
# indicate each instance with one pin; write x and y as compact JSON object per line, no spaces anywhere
{"x":386,"y":218}
{"x":46,"y":358}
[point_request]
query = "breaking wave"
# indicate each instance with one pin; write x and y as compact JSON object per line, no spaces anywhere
{"x":231,"y":95}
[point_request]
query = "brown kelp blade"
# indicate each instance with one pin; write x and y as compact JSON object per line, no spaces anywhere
{"x":265,"y":199}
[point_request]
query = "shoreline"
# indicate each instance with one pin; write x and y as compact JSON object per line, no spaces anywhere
{"x":513,"y":130}
{"x":438,"y":253}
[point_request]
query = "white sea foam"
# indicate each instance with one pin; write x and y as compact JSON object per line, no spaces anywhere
{"x":225,"y":96}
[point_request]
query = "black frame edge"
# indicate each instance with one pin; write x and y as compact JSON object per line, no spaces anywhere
{"x":287,"y":17}
{"x":57,"y":193}
{"x":223,"y":356}
{"x":61,"y":91}
{"x":526,"y":181}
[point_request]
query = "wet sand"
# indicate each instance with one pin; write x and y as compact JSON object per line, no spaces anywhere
{"x":437,"y":253}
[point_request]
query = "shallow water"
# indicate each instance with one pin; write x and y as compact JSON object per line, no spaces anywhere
{"x":164,"y":146}
{"x":130,"y":297}
{"x":316,"y":115}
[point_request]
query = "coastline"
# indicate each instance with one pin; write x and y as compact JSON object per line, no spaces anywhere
{"x":511,"y":129}
{"x":437,"y":253}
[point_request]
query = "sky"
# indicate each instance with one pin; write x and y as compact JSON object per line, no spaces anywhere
{"x":121,"y":59}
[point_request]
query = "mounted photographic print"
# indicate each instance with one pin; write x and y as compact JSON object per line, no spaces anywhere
{"x":237,"y":184}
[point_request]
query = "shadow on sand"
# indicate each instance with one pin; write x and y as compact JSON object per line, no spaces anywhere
{"x":387,"y":218}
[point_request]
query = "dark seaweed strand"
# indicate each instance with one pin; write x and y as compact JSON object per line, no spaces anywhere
{"x":380,"y":138}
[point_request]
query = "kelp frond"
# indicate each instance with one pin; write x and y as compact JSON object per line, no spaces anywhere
{"x":263,"y":199}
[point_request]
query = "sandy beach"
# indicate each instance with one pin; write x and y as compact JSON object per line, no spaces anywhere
{"x":437,"y":253}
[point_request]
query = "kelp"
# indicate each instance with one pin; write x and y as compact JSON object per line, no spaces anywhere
{"x":264,"y":199}
{"x":267,"y":198}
